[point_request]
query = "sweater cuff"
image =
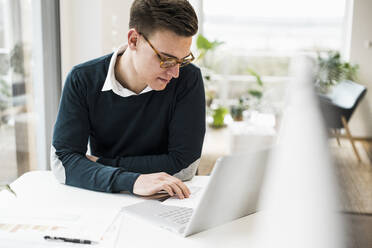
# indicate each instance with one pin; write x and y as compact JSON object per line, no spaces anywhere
{"x":107,"y":161}
{"x":125,"y":182}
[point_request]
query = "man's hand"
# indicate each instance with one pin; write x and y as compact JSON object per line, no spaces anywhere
{"x":149,"y":184}
{"x":91,"y":157}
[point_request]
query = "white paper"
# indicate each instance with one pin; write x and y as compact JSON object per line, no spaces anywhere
{"x":29,"y":226}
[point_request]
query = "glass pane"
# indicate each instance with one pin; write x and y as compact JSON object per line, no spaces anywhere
{"x":2,"y":28}
{"x":267,"y":33}
{"x":17,"y":132}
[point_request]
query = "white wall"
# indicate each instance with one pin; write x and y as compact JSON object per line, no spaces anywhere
{"x":115,"y":21}
{"x":91,"y":28}
{"x":361,"y":32}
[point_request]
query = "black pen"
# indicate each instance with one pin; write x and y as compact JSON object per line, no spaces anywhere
{"x":7,"y":187}
{"x":78,"y":241}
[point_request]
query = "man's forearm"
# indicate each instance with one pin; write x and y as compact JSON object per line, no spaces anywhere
{"x":83,"y":173}
{"x":148,"y":184}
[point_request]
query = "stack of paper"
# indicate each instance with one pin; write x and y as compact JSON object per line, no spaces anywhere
{"x":26,"y":227}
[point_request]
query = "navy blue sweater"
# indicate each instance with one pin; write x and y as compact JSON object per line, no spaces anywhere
{"x":157,"y":131}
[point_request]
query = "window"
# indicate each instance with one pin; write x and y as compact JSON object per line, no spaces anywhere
{"x":263,"y":35}
{"x":29,"y":84}
{"x":2,"y":26}
{"x":17,"y":127}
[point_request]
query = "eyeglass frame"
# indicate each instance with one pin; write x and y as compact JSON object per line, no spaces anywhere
{"x":163,"y":60}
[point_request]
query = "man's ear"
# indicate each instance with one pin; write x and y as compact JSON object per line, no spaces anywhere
{"x":132,"y":38}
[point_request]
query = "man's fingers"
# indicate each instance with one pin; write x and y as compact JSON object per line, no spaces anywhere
{"x":183,"y":187}
{"x":168,"y":189}
{"x":147,"y":184}
{"x":177,"y":190}
{"x":185,"y":190}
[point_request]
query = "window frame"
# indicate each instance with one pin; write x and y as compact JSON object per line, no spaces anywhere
{"x":46,"y":74}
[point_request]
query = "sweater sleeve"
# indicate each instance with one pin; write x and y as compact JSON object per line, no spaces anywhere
{"x":185,"y":135}
{"x":69,"y":146}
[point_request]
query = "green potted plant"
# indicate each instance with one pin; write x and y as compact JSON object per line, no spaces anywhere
{"x":205,"y":49}
{"x":331,"y":70}
{"x":251,"y":98}
{"x":255,"y":93}
{"x":236,"y":111}
{"x":218,"y":115}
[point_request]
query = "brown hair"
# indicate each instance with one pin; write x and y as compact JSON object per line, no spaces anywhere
{"x":178,"y":16}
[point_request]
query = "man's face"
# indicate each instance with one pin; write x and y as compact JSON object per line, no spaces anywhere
{"x":147,"y":63}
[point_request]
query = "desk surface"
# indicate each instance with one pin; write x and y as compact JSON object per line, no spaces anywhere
{"x":40,"y":188}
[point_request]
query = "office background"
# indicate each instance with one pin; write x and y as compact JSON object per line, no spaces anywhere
{"x":41,"y":40}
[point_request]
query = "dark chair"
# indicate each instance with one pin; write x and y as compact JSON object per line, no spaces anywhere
{"x":338,"y":105}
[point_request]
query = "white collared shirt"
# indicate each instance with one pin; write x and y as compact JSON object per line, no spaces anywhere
{"x":112,"y":84}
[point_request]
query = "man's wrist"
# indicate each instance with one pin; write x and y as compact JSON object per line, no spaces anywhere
{"x":125,"y":182}
{"x":92,"y":158}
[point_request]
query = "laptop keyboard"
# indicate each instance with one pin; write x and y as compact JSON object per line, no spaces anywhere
{"x":176,"y":215}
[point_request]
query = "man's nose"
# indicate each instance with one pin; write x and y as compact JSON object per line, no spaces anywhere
{"x":174,"y":71}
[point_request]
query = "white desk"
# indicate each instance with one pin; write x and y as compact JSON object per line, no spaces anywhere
{"x":40,"y":188}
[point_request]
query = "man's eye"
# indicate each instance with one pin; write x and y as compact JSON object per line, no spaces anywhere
{"x":169,"y":59}
{"x":168,"y":62}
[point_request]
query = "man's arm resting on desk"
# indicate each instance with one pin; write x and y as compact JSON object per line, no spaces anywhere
{"x":94,"y":176}
{"x":74,"y":169}
{"x":149,"y":184}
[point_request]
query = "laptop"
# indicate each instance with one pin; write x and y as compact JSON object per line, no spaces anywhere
{"x":232,"y":192}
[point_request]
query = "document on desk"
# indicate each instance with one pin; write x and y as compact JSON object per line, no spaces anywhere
{"x":29,"y":226}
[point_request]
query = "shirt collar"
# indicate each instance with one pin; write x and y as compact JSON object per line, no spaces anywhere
{"x":112,"y":84}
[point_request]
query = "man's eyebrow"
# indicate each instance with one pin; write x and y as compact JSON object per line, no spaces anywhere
{"x":172,"y":56}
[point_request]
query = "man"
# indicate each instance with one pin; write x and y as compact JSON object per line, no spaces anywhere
{"x":142,"y":109}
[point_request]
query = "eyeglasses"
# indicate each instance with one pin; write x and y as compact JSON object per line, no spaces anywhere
{"x":170,"y":62}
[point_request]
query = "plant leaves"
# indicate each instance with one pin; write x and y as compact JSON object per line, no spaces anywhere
{"x":255,"y":93}
{"x":203,"y":43}
{"x":255,"y":74}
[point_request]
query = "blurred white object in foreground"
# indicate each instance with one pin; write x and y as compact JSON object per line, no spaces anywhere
{"x":300,"y":195}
